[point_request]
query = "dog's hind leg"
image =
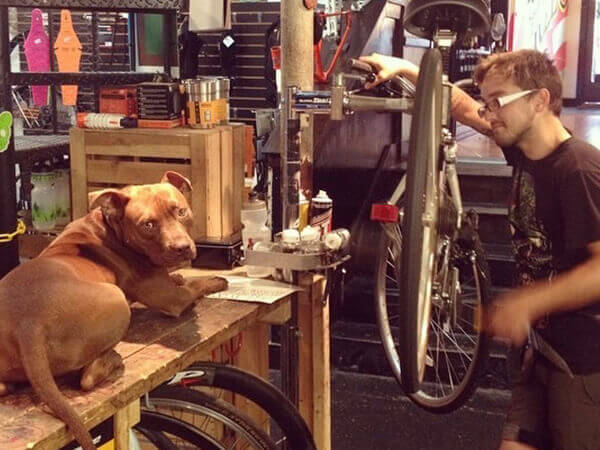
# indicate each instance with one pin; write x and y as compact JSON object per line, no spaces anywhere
{"x":108,"y":365}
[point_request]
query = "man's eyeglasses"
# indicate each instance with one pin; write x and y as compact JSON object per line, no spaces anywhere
{"x":500,"y":102}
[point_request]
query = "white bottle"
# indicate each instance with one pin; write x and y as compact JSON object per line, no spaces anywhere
{"x":254,"y":218}
{"x":43,"y":198}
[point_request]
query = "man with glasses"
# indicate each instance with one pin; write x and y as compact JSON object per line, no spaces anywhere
{"x":555,"y":222}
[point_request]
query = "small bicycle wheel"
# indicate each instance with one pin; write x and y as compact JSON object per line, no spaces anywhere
{"x":419,"y":253}
{"x":218,"y":419}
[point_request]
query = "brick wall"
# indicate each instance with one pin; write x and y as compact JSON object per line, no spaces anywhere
{"x":250,"y":21}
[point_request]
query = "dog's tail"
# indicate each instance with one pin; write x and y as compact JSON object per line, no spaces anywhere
{"x":37,"y":367}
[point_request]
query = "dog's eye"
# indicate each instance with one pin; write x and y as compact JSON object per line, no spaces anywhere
{"x":149,"y":226}
{"x":182,"y":212}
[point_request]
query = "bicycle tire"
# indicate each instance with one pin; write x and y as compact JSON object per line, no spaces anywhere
{"x":192,"y":401}
{"x":159,"y":440}
{"x":436,"y":398}
{"x":264,"y":394}
{"x":475,"y":257}
{"x":420,"y":220}
{"x":162,"y":423}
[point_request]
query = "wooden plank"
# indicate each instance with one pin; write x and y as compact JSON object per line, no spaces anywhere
{"x":199,"y":180}
{"x":321,"y":367}
{"x":148,"y":143}
{"x":78,"y":173}
{"x":313,"y":362}
{"x":126,"y":172}
{"x":123,"y":421}
{"x":279,"y":316}
{"x":227,"y":182}
{"x":213,"y":205}
{"x":239,"y":140}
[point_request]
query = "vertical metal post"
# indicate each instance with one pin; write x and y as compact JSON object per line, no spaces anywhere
{"x":132,"y":41}
{"x":94,"y":30}
{"x":297,"y":68}
{"x":167,"y":47}
{"x":9,"y":251}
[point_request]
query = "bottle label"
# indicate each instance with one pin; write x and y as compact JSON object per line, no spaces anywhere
{"x":322,"y":220}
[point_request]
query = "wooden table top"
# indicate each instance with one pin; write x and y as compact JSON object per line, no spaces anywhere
{"x":155,"y":348}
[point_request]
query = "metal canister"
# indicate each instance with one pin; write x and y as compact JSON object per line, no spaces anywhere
{"x":223,"y":91}
{"x":201,"y":102}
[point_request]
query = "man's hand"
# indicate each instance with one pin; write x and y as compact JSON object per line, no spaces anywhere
{"x":388,"y":67}
{"x":509,"y":318}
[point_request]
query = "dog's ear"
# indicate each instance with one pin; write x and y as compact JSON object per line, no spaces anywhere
{"x":111,"y":201}
{"x":177,"y":180}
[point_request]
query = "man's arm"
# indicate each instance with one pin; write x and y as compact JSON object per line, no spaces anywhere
{"x":464,"y":107}
{"x":512,"y":315}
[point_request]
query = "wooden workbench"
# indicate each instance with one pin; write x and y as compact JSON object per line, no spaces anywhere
{"x":156,"y":347}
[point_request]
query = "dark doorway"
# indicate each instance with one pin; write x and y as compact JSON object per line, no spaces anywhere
{"x":588,"y":78}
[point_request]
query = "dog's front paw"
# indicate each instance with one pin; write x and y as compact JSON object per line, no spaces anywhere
{"x":177,"y":278}
{"x":215,"y":284}
{"x":208,"y":285}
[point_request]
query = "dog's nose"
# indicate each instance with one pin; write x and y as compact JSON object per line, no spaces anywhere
{"x":180,"y":247}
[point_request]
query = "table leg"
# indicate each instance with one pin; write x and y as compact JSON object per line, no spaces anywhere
{"x":314,"y":366}
{"x":124,"y":420}
{"x":254,"y":357}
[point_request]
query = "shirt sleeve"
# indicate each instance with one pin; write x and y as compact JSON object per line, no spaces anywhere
{"x":580,"y":199}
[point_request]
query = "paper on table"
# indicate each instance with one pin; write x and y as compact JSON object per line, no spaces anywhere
{"x":254,"y":290}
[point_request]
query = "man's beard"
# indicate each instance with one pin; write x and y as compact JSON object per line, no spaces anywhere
{"x":508,"y":138}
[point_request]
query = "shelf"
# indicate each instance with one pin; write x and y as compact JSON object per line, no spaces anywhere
{"x":157,"y":6}
{"x":79,"y":78}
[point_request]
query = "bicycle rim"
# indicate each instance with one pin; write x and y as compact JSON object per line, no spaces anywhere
{"x":184,"y":435}
{"x":218,"y":419}
{"x":418,"y":258}
{"x":387,"y":293}
{"x":457,"y":346}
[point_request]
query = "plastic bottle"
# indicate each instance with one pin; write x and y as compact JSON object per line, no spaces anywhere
{"x":63,"y":191}
{"x":303,"y":211}
{"x":254,"y":218}
{"x":337,"y":239}
{"x":310,"y":238}
{"x":43,"y":197}
{"x":321,"y":212}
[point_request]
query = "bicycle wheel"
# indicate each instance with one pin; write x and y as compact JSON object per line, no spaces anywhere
{"x":418,"y":256}
{"x":187,"y":436}
{"x":458,"y":347}
{"x":217,"y":418}
{"x":293,"y":427}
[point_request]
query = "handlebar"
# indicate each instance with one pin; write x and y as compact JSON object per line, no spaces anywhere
{"x":338,"y":101}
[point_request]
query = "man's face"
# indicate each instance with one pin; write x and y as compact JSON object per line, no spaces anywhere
{"x":511,"y":122}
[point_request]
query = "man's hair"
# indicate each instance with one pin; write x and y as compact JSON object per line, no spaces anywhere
{"x":528,"y":69}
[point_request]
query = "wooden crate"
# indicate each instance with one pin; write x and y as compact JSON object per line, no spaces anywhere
{"x":211,"y":159}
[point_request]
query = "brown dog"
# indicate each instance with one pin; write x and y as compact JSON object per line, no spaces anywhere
{"x":66,"y":310}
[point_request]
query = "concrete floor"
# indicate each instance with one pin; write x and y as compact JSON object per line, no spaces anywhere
{"x":371,"y":413}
